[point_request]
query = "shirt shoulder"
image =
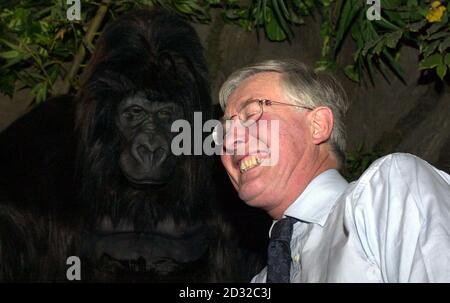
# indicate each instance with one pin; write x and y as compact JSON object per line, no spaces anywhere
{"x":397,"y":208}
{"x":404,"y":174}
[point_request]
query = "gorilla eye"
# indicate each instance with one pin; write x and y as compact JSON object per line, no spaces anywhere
{"x":133,"y":112}
{"x":165,"y":114}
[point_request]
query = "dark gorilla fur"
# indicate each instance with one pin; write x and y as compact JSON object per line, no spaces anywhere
{"x":63,"y":193}
{"x":149,"y":52}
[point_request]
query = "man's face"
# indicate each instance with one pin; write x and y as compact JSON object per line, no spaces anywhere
{"x":268,"y":187}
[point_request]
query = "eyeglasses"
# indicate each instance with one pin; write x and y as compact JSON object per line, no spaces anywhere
{"x":249,"y":113}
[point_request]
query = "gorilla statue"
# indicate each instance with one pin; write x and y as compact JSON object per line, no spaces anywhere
{"x":93,"y":176}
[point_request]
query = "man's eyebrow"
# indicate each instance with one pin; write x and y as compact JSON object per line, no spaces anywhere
{"x":244,"y":103}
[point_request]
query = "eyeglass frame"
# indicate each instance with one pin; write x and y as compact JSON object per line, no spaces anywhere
{"x":262,"y":103}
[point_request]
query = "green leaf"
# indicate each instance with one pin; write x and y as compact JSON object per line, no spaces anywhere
{"x":55,"y":71}
{"x":394,"y":16}
{"x":201,"y":11}
{"x":351,"y":72}
{"x":444,"y":45}
{"x":184,"y":8}
{"x":10,"y":54}
{"x":438,"y":35}
{"x":40,"y":92}
{"x":273,"y":29}
{"x":447,"y":59}
{"x":393,"y":65}
{"x":246,"y":24}
{"x":296,"y":19}
{"x":284,"y":8}
{"x":415,"y":27}
{"x":325,"y":66}
{"x":265,"y":9}
{"x":294,"y":16}
{"x":348,"y":12}
{"x":379,"y":47}
{"x":369,"y":46}
{"x":11,"y":45}
{"x":386,"y":24}
{"x":7,"y":84}
{"x":435,"y":27}
{"x":368,"y":63}
{"x":381,"y":67}
{"x":281,"y":18}
{"x":213,"y":1}
{"x":441,"y":71}
{"x":430,"y":48}
{"x":258,"y":14}
{"x":36,"y":75}
{"x":393,"y":38}
{"x":431,"y":61}
{"x":231,"y":14}
{"x":11,"y":62}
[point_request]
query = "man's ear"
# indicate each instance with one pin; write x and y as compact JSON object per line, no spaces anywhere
{"x":321,"y":124}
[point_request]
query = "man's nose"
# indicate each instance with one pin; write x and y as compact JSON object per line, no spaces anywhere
{"x":235,"y":137}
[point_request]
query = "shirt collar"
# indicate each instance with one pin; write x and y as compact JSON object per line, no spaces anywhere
{"x":317,"y":200}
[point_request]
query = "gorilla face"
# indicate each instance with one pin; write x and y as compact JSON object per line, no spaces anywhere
{"x":144,"y":121}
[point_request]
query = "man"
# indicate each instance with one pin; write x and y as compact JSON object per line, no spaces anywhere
{"x":392,"y":225}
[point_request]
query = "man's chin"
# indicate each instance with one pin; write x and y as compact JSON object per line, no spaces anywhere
{"x":251,"y":195}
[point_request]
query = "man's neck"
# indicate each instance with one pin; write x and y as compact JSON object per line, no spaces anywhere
{"x":324,"y":161}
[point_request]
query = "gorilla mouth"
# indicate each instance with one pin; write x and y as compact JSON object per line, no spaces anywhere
{"x":146,"y":181}
{"x":146,"y":168}
{"x":146,"y":184}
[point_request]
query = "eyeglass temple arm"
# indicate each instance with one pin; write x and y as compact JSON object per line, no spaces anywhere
{"x":281,"y":103}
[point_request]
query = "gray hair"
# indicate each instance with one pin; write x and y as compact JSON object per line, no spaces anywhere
{"x":304,"y":87}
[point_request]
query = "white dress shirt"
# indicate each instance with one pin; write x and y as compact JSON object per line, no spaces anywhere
{"x":392,"y":225}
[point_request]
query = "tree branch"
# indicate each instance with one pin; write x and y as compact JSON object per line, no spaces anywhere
{"x":81,"y":54}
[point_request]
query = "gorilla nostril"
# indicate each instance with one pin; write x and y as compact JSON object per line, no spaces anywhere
{"x":149,"y":153}
{"x":142,"y":152}
{"x":159,"y":154}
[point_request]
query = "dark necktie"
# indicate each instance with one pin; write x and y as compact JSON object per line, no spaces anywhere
{"x":279,"y":252}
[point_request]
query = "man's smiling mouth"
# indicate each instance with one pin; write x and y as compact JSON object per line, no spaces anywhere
{"x":249,"y":163}
{"x":252,"y":160}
